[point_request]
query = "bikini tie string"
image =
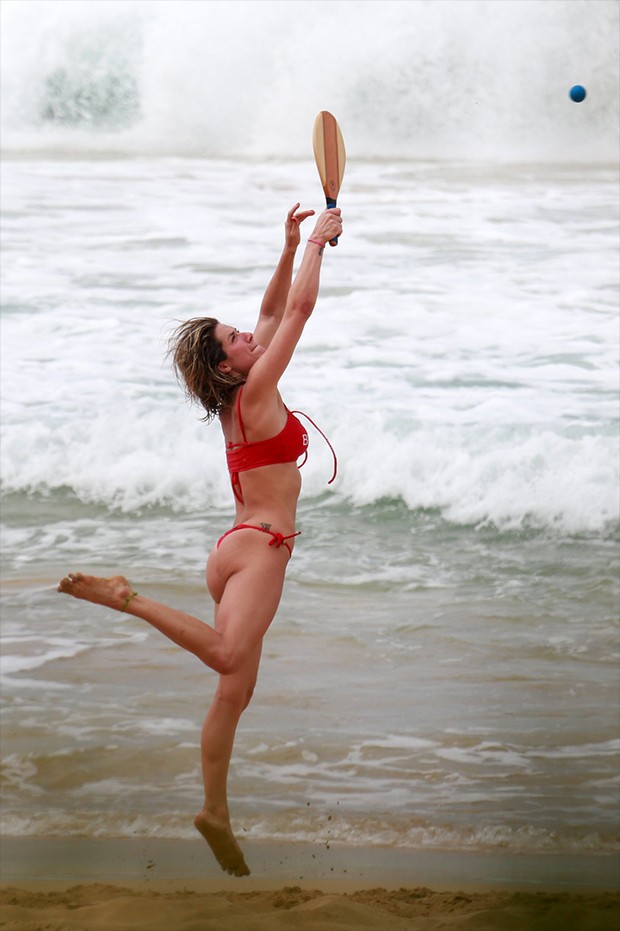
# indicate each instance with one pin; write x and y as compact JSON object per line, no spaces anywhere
{"x":333,"y":451}
{"x":279,"y":538}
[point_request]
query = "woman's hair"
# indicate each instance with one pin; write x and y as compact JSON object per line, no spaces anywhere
{"x":196,"y":353}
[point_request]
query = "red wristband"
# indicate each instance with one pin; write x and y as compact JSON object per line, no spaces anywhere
{"x":317,"y":243}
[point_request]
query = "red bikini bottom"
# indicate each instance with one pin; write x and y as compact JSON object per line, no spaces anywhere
{"x":277,"y":541}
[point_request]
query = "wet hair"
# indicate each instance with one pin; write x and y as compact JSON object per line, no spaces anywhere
{"x":196,"y":354}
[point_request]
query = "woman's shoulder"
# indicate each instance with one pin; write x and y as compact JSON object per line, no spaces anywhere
{"x":253,"y":399}
{"x":261,"y":413}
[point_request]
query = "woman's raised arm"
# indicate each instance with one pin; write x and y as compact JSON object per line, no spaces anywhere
{"x":276,"y":295}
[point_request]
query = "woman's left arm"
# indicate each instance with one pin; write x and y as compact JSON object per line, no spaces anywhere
{"x":276,"y":295}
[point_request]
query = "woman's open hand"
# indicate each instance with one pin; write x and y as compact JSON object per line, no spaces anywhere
{"x":294,"y":219}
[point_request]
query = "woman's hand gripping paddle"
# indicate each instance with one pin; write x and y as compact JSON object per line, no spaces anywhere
{"x":330,"y":157}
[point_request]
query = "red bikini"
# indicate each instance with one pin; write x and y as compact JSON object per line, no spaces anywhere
{"x":278,"y":538}
{"x":286,"y":446}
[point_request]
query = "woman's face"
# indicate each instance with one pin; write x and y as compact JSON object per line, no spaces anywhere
{"x":240,"y":348}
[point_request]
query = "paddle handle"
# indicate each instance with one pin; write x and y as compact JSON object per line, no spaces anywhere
{"x":331,"y":203}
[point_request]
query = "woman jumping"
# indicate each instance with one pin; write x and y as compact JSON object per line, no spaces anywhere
{"x":235,"y":376}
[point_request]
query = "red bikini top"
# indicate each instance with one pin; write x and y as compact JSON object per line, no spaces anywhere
{"x":287,"y":446}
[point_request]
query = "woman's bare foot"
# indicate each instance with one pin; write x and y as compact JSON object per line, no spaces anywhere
{"x":115,"y":592}
{"x":221,"y":840}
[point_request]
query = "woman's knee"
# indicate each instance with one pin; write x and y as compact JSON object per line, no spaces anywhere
{"x":235,"y":692}
{"x":236,"y":650}
{"x":230,"y":660}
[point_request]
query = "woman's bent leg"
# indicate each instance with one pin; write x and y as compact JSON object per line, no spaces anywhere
{"x":186,"y":631}
{"x":249,"y":603}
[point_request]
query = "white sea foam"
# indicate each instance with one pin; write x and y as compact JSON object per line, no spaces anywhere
{"x":48,"y":651}
{"x":479,"y":383}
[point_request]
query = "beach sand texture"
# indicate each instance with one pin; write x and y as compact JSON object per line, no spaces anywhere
{"x":102,"y":907}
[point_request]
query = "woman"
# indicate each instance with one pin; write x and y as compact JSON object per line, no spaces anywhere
{"x":235,"y":377}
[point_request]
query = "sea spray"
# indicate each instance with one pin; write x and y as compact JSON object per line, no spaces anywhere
{"x":416,"y":80}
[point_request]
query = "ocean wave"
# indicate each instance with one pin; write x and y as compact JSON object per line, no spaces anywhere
{"x":291,"y":827}
{"x":517,"y":480}
{"x":462,"y":380}
{"x":462,"y":80}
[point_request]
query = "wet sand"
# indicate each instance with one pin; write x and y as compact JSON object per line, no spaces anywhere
{"x":159,"y":885}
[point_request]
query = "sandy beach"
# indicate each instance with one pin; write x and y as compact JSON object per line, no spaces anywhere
{"x":159,"y":885}
{"x":105,"y":907}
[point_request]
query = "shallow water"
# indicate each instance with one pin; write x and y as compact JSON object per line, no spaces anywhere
{"x":443,"y":669}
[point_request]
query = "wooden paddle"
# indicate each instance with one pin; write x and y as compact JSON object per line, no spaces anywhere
{"x":330,"y":157}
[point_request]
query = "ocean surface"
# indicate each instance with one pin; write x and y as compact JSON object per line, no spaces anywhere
{"x":443,"y":671}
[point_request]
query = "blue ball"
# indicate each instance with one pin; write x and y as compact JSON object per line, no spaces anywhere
{"x":577,"y":93}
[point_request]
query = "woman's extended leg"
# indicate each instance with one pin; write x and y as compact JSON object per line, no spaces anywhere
{"x":231,"y":698}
